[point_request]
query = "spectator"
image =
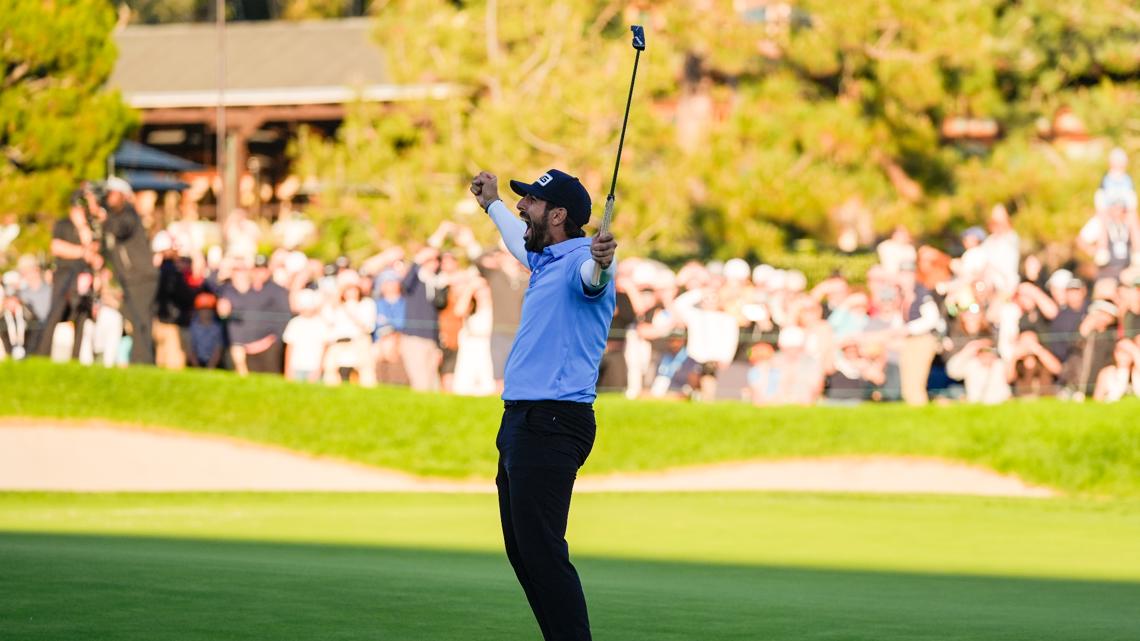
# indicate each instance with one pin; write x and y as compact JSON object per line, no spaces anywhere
{"x":1029,"y":310}
{"x":306,"y":338}
{"x":390,"y":319}
{"x":1002,"y":249}
{"x":1117,"y":185}
{"x":174,"y":304}
{"x":1063,"y":328}
{"x":207,"y":337}
{"x":241,"y":235}
{"x":972,"y":265}
{"x":763,"y":375}
{"x":897,"y":252}
{"x":35,"y":294}
{"x":76,"y":252}
{"x":800,"y":374}
{"x":1121,"y":376}
{"x":256,"y":310}
{"x":474,"y":371}
{"x":713,"y":335}
{"x":1057,"y":284}
{"x":451,"y":279}
{"x":1092,"y":352}
{"x":15,"y":319}
{"x":351,"y":321}
{"x":109,"y":344}
{"x":677,"y":374}
{"x":971,"y":355}
{"x":419,"y":344}
{"x":1110,"y":237}
{"x":925,"y":324}
{"x":1033,"y":368}
{"x":127,"y":248}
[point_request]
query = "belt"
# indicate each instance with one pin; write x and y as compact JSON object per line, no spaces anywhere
{"x":509,"y":404}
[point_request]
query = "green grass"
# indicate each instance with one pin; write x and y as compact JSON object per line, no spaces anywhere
{"x":678,"y":567}
{"x":1083,"y":449}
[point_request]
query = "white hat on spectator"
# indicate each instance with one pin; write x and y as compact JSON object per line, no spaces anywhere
{"x":307,"y":299}
{"x":778,"y":279}
{"x":644,"y":273}
{"x":761,"y":274}
{"x":791,"y":337}
{"x":1059,"y":278}
{"x":296,"y":262}
{"x":1107,"y":307}
{"x":737,"y":270}
{"x":114,"y":183}
{"x":162,"y":242}
{"x":347,"y":278}
{"x":797,"y":282}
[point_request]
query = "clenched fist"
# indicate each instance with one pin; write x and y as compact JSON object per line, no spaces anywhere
{"x":602,"y":249}
{"x":485,"y":186}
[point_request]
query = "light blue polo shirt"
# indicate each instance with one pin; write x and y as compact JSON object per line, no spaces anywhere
{"x":563,"y":331}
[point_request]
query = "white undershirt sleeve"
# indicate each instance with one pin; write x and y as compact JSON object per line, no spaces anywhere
{"x":511,"y":228}
{"x":587,"y":273}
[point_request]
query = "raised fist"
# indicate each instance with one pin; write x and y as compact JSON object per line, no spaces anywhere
{"x":485,"y":186}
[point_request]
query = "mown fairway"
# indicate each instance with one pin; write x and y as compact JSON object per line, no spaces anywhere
{"x":683,"y":567}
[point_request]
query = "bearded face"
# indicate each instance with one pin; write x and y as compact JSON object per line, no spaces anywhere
{"x":535,"y":214}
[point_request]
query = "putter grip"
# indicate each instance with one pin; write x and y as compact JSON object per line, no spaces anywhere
{"x":597,"y":278}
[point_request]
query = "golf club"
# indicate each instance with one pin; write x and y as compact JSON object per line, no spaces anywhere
{"x":639,"y":45}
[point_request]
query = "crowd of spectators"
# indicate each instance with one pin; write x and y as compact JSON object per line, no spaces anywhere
{"x":990,"y":323}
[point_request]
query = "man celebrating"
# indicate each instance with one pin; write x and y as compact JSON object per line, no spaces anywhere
{"x":548,"y":425}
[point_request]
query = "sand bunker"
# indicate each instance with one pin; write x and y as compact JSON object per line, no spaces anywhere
{"x":37,"y":455}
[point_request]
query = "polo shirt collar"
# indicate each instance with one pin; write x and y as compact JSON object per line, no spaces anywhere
{"x":558,"y":250}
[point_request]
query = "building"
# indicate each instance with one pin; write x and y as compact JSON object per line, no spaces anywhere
{"x":278,"y":76}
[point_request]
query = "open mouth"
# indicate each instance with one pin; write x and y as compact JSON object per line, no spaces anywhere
{"x":527,"y":233}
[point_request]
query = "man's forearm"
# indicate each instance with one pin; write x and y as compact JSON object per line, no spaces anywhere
{"x":511,"y":228}
{"x":587,"y":274}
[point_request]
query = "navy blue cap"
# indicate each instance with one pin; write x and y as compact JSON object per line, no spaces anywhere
{"x":560,"y":190}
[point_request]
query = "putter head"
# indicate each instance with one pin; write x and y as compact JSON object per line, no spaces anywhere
{"x":638,"y":37}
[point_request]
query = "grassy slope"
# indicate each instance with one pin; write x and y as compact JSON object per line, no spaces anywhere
{"x":715,"y":567}
{"x":1081,"y":448}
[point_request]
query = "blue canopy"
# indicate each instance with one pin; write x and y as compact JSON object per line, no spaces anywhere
{"x":151,"y":181}
{"x":133,"y":155}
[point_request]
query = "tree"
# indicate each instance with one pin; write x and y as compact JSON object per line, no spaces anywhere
{"x":58,"y":123}
{"x":754,"y":124}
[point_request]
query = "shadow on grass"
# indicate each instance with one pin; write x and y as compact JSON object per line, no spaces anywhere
{"x":68,"y":587}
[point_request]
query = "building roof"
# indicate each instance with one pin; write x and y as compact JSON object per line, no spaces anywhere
{"x":267,"y":63}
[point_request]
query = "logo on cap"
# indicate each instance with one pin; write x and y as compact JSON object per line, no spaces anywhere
{"x":545,"y":179}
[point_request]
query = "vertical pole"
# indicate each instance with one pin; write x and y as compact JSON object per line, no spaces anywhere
{"x":220,"y":116}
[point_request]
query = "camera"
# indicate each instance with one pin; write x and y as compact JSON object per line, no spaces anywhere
{"x":79,"y":199}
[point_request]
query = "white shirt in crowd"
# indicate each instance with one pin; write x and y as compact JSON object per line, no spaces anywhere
{"x":307,"y":337}
{"x":713,"y":334}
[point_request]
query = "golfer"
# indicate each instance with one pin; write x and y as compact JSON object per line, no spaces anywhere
{"x":548,"y":425}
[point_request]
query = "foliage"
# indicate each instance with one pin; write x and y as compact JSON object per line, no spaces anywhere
{"x":749,"y":131}
{"x":58,"y":123}
{"x":1087,"y":449}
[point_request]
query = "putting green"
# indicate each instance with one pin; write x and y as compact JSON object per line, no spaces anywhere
{"x":684,"y":567}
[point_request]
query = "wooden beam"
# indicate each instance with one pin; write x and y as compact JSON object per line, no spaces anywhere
{"x":241,"y":117}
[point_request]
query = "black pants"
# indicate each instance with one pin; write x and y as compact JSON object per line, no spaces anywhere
{"x":541,"y":446}
{"x":138,"y":309}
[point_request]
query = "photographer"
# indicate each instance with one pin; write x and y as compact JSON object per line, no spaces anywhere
{"x":75,"y":248}
{"x":126,"y":246}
